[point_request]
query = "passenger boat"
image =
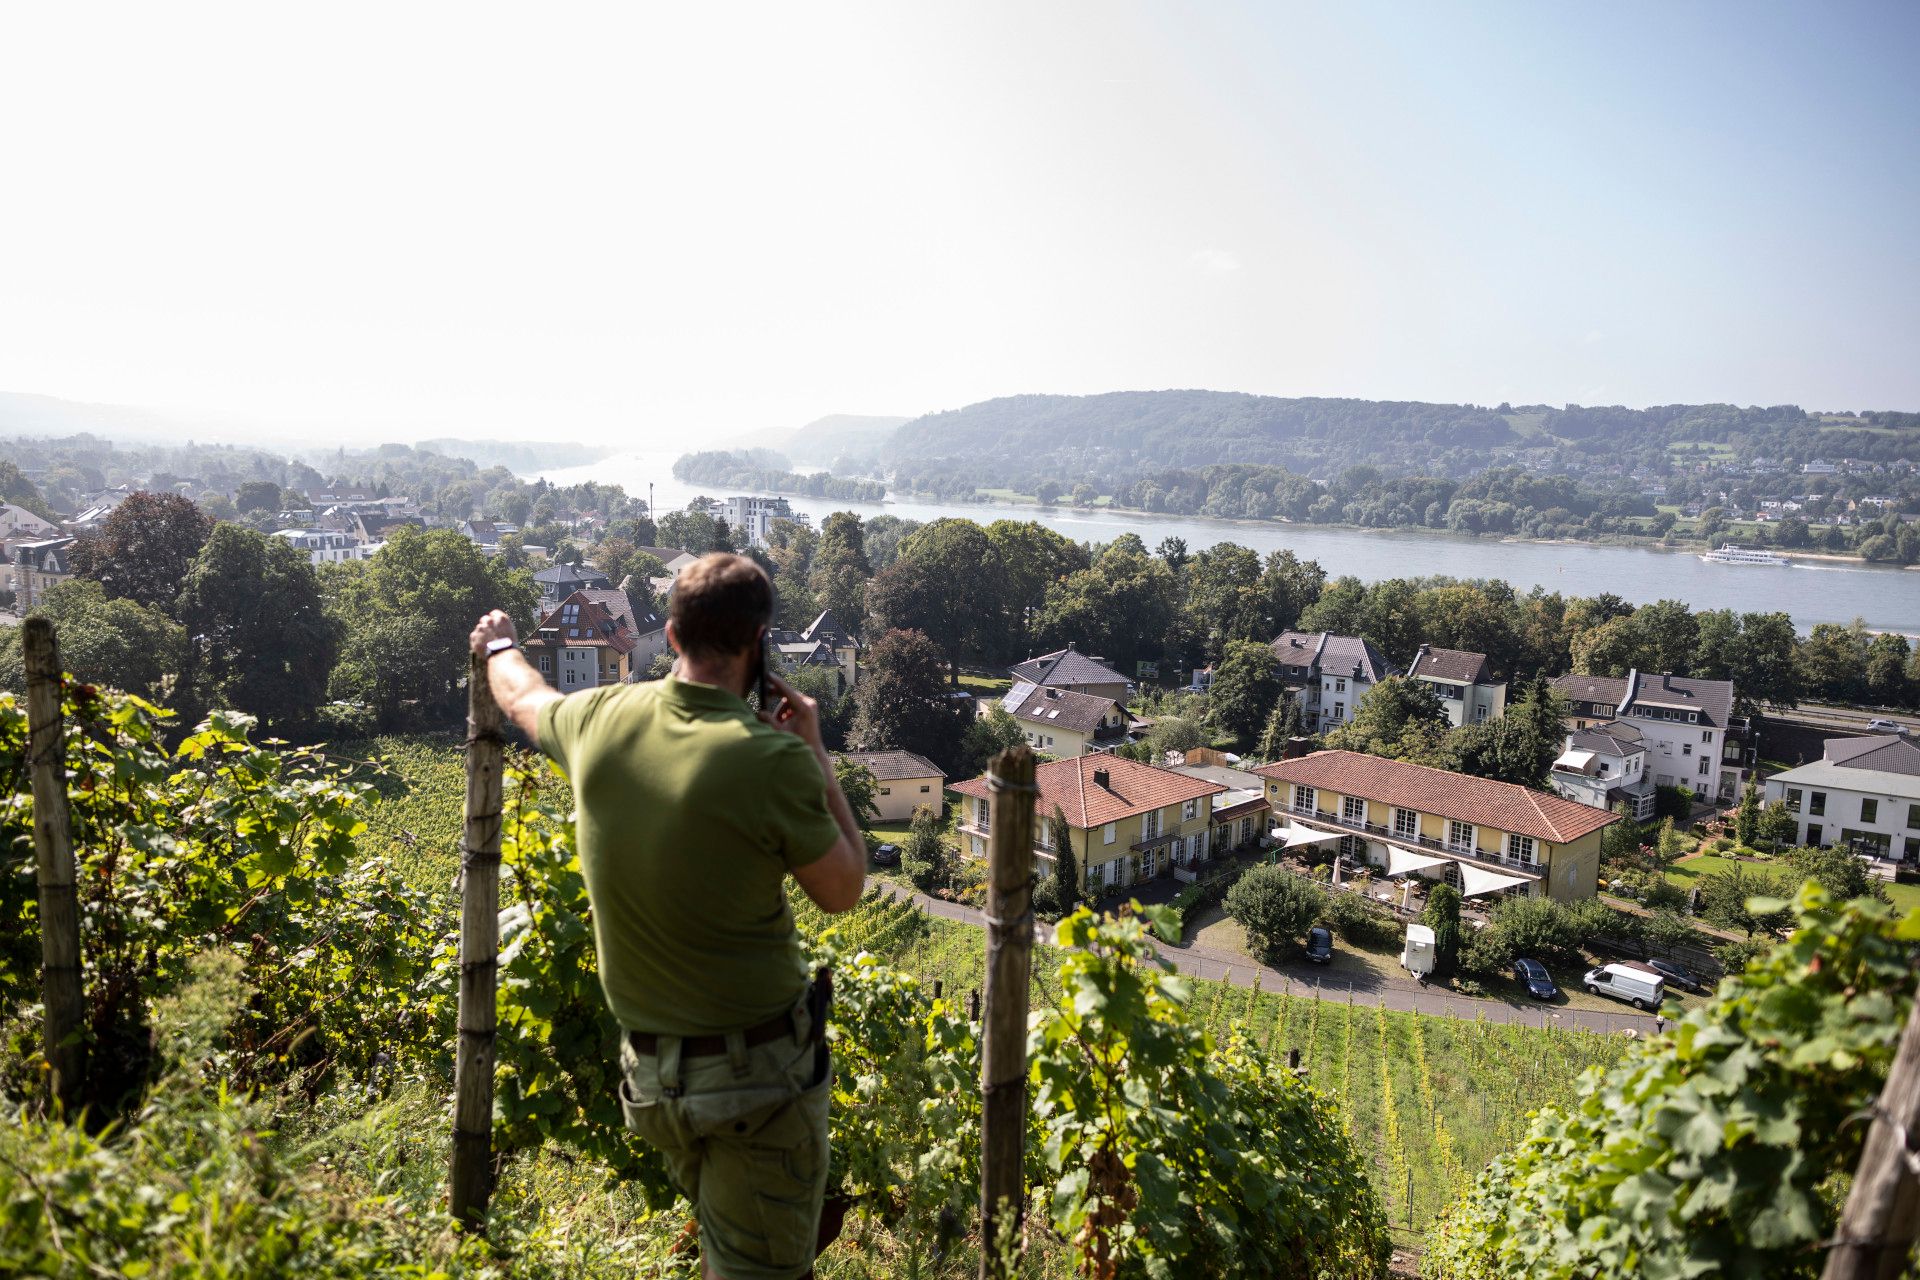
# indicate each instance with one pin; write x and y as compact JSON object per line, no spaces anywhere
{"x":1731,"y":554}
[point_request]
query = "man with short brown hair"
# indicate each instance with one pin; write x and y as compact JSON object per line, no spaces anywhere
{"x":692,"y":811}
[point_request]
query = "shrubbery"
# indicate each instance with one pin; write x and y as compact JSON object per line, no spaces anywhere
{"x":1275,"y":907}
{"x":1714,"y":1149}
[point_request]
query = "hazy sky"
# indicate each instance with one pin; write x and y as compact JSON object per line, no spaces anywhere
{"x":668,"y":223}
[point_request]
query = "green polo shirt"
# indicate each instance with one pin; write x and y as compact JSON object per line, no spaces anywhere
{"x":691,"y":813}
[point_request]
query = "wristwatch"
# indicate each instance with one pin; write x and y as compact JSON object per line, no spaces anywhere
{"x":499,"y":646}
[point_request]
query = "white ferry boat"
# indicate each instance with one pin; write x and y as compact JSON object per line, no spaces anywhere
{"x":1731,"y":554}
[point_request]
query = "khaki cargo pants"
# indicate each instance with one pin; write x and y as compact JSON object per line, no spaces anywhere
{"x":745,"y":1137}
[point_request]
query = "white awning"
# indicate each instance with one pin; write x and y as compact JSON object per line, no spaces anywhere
{"x":1478,"y":880}
{"x":1574,"y":760}
{"x":1293,"y":837}
{"x":1400,"y":861}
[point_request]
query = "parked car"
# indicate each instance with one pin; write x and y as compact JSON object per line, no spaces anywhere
{"x":1677,"y":976}
{"x":1534,"y":977}
{"x":1636,"y":986}
{"x":1880,"y":724}
{"x":886,"y":855}
{"x":1320,"y":944}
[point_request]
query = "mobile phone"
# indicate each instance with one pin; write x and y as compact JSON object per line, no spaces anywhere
{"x":761,"y":684}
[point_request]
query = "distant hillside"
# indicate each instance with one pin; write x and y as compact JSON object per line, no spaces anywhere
{"x":30,"y":415}
{"x":824,"y":441}
{"x":1123,"y":436}
{"x":523,"y":458}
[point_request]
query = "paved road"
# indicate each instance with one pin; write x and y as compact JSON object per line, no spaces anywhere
{"x":1304,"y":979}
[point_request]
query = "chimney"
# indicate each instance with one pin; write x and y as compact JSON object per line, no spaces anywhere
{"x":1295,"y":748}
{"x":1070,"y":645}
{"x":1103,"y":779}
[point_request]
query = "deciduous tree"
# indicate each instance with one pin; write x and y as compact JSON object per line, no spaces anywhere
{"x":1246,"y":686}
{"x":111,"y":642}
{"x":143,"y":548}
{"x":901,"y":703}
{"x":261,"y":639}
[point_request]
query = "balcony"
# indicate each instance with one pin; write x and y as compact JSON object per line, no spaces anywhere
{"x":1489,"y":857}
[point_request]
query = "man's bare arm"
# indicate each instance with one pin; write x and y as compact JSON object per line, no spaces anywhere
{"x":835,"y":880}
{"x":516,"y":686}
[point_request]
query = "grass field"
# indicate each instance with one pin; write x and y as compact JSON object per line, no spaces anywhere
{"x":985,"y":686}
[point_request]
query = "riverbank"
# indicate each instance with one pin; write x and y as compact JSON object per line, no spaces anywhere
{"x":1821,"y":592}
{"x":1009,"y":500}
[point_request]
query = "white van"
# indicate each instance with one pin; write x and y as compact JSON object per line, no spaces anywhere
{"x":1637,"y":987}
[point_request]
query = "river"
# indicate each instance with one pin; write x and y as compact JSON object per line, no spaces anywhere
{"x":1809,"y":592}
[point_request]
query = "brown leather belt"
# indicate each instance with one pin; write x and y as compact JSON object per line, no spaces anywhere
{"x":715,"y":1046}
{"x":819,"y":1000}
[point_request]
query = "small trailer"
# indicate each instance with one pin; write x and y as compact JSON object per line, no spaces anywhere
{"x":1417,"y":956}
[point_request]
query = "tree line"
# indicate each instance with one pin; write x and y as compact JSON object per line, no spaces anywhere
{"x":170,"y":601}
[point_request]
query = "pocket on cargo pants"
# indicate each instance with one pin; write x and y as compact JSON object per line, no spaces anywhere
{"x":652,"y":1115}
{"x":764,"y":1174}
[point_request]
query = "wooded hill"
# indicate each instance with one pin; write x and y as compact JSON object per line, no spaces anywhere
{"x":1120,"y":436}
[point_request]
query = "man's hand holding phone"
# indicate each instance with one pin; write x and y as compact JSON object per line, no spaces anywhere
{"x":793,"y":712}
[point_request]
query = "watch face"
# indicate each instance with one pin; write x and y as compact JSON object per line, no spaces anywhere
{"x":499,"y":646}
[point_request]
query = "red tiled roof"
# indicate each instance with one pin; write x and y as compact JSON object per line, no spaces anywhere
{"x":1523,"y":811}
{"x":593,"y":626}
{"x":1131,"y":788}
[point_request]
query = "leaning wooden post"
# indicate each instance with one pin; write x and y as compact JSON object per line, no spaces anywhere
{"x":1003,"y":1052}
{"x":1883,"y":1209}
{"x":53,"y":851}
{"x":471,"y":1181}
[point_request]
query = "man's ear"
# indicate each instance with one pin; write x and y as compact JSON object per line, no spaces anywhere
{"x":673,"y":637}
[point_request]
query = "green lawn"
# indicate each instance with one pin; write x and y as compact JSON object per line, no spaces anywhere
{"x":985,"y":686}
{"x":1688,"y":870}
{"x":1906,"y":897}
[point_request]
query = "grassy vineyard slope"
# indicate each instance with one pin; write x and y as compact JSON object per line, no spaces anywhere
{"x":1482,"y":1079}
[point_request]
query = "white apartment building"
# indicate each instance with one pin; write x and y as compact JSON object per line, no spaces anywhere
{"x":751,"y":518}
{"x":328,"y":546}
{"x":1691,"y":735}
{"x":1863,"y":793}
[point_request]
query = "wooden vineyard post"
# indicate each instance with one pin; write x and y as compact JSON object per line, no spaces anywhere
{"x":471,"y":1179}
{"x":1003,"y":1052}
{"x":1883,"y":1210}
{"x":53,"y":853}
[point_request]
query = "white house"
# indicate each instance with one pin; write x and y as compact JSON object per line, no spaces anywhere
{"x":1862,"y":792}
{"x":1692,"y":737}
{"x":16,"y":520}
{"x":1604,"y":766}
{"x":1464,"y":682}
{"x":1329,"y":674}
